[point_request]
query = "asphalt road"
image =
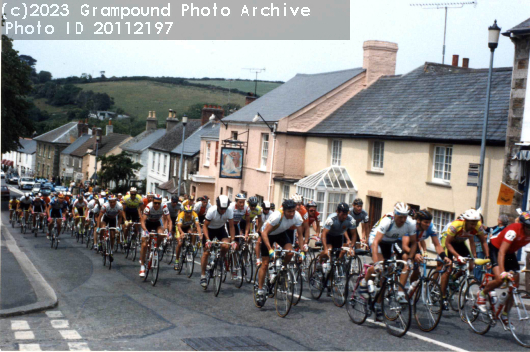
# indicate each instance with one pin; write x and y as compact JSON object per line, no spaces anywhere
{"x":101,"y":309}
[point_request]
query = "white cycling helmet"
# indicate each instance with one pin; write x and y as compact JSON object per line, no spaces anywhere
{"x":266,"y":204}
{"x":240,"y":196}
{"x":223,"y":202}
{"x":471,"y":214}
{"x":401,"y":209}
{"x":133,"y":189}
{"x":297,"y":198}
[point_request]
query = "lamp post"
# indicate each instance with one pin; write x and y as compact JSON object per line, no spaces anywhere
{"x":256,"y":119}
{"x":184,"y":122}
{"x":493,"y":41}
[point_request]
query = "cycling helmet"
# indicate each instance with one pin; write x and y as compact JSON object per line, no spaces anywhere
{"x":40,"y":194}
{"x":288,"y":204}
{"x":206,"y":197}
{"x":133,"y":189}
{"x":222,"y":202}
{"x":343,"y":208}
{"x":174,"y":199}
{"x":103,"y":194}
{"x":150,"y":194}
{"x":524,"y":218}
{"x":401,"y":209}
{"x":296,"y":198}
{"x":423,"y":214}
{"x":68,"y":193}
{"x":310,"y":204}
{"x":266,"y":205}
{"x":273,"y":206}
{"x":240,"y":196}
{"x":471,"y":214}
{"x":119,"y":194}
{"x":60,"y":195}
{"x":253,"y":201}
{"x":112,"y":197}
{"x":188,"y":209}
{"x":157,"y":197}
{"x":358,"y":201}
{"x":36,"y":198}
{"x":27,"y":195}
{"x":200,"y":199}
{"x":87,"y":194}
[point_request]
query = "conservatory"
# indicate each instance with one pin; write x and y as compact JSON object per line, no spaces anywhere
{"x":327,"y":188}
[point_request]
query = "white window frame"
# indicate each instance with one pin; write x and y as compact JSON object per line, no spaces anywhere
{"x":442,"y":168}
{"x":153,"y":164}
{"x":378,"y":155}
{"x":229,"y":192}
{"x":336,"y":152}
{"x":165,"y":163}
{"x":185,"y":176}
{"x":207,"y":154}
{"x":158,"y":163}
{"x":440,"y":219}
{"x":264,"y":151}
{"x":286,"y":190}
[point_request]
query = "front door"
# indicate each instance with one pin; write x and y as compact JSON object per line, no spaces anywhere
{"x":374,"y":211}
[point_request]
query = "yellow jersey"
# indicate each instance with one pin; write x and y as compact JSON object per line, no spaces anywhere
{"x":189,"y":220}
{"x":457,"y":230}
{"x":132,"y":202}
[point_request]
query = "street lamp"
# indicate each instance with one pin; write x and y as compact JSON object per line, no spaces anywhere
{"x":184,"y":122}
{"x":259,"y":117}
{"x":493,"y":41}
{"x":213,"y":118}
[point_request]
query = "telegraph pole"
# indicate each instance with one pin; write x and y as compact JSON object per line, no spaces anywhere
{"x":255,"y":70}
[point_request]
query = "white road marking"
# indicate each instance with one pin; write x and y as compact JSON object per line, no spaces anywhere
{"x":54,"y":314}
{"x":78,"y":346}
{"x":19,"y":325}
{"x":70,"y":334}
{"x":423,"y":338}
{"x":13,"y":189}
{"x":29,"y":347}
{"x":302,"y":298}
{"x":60,"y":324}
{"x":24,"y":335}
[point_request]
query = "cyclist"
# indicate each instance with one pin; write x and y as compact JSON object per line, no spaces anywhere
{"x":147,"y":199}
{"x":275,"y":231}
{"x":454,"y":237}
{"x":297,"y":198}
{"x":273,"y":207}
{"x":389,"y":230}
{"x":338,"y":226}
{"x":80,"y":205}
{"x":186,"y":220}
{"x":24,"y":204}
{"x":56,"y":210}
{"x":38,"y":207}
{"x":254,"y":213}
{"x":265,"y":214}
{"x":155,"y":218}
{"x":201,"y":207}
{"x":13,"y":207}
{"x":313,"y":216}
{"x":241,"y":213}
{"x":214,"y":227}
{"x":174,"y":208}
{"x":361,"y":217}
{"x":132,"y":203}
{"x":120,"y":198}
{"x":94,"y":208}
{"x":503,"y":250}
{"x":111,"y":215}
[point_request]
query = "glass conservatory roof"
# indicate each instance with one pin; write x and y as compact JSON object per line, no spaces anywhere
{"x":333,"y":178}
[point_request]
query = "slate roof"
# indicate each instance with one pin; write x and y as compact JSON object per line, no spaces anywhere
{"x":173,"y":137}
{"x":59,"y":135}
{"x":107,"y":144}
{"x":29,"y":146}
{"x":213,"y":132}
{"x":78,"y":142}
{"x":192,"y":145}
{"x":293,"y":95}
{"x":144,"y":140}
{"x":521,"y":28}
{"x":433,"y":102}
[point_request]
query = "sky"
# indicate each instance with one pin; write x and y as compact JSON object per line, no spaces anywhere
{"x":418,"y":33}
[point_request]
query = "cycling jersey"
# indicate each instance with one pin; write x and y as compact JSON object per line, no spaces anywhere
{"x":280,"y":224}
{"x":94,"y":206}
{"x":422,"y":235}
{"x":360,"y":218}
{"x":200,"y":209}
{"x":56,"y":204}
{"x":513,"y":234}
{"x":154,"y":214}
{"x":457,"y":230}
{"x":173,"y":211}
{"x":38,"y":206}
{"x":303,"y":213}
{"x":25,"y":200}
{"x":187,"y":219}
{"x":131,"y":202}
{"x":13,"y":204}
{"x":265,"y":217}
{"x":256,"y":212}
{"x":392,"y":233}
{"x":336,"y":227}
{"x":312,"y":219}
{"x":80,"y":203}
{"x":46,"y":200}
{"x":239,"y":214}
{"x":112,"y":212}
{"x":217,"y":220}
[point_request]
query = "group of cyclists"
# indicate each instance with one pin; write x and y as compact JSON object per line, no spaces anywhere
{"x":400,"y":234}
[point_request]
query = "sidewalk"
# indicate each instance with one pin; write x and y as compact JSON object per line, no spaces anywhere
{"x":23,"y":289}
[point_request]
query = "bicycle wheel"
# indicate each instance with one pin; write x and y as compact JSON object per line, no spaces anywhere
{"x":226,"y":263}
{"x":76,"y":233}
{"x":478,"y":321}
{"x":519,"y":320}
{"x":338,"y":283}
{"x":13,"y":220}
{"x":298,"y":283}
{"x":316,"y":279}
{"x":427,"y":305}
{"x":172,"y":248}
{"x":182,"y":260}
{"x":189,"y":261}
{"x":56,"y":244}
{"x":256,"y":287}
{"x":109,"y":251}
{"x":248,"y":265}
{"x":461,"y":293}
{"x":356,"y":304}
{"x":134,"y":248}
{"x":155,"y":267}
{"x":148,"y":264}
{"x":104,"y":251}
{"x":218,"y":275}
{"x":396,"y":311}
{"x":237,"y":271}
{"x":52,"y":238}
{"x":283,"y":293}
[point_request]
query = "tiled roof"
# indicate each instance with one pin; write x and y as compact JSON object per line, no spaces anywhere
{"x":433,"y":102}
{"x":212,"y":132}
{"x":107,"y":144}
{"x":144,"y":140}
{"x":60,"y":134}
{"x":173,"y":137}
{"x":521,"y":28}
{"x":78,"y":142}
{"x":293,"y":95}
{"x":29,"y":146}
{"x":192,"y":145}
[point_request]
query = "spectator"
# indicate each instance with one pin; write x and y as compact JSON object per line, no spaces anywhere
{"x":502,"y":222}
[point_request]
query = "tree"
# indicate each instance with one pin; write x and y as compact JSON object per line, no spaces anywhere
{"x":117,"y":168}
{"x":16,"y":85}
{"x":44,"y":76}
{"x":28,"y":60}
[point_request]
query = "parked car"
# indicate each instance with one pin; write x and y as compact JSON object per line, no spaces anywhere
{"x":46,"y":190}
{"x":5,"y":194}
{"x":60,"y":189}
{"x":13,"y":179}
{"x":40,"y":180}
{"x":2,"y":174}
{"x":26,"y":182}
{"x":36,"y":189}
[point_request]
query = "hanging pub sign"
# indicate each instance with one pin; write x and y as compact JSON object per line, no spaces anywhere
{"x":231,"y":163}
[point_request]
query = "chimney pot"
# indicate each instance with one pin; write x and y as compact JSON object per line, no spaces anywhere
{"x":455,"y":61}
{"x":379,"y":59}
{"x":465,"y":62}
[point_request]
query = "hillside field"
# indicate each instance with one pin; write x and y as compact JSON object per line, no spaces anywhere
{"x":244,"y":86}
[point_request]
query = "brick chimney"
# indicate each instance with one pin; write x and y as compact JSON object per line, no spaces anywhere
{"x":465,"y":62}
{"x":82,"y":128}
{"x":379,"y":59}
{"x":109,"y":128}
{"x":97,"y":132}
{"x":455,"y":61}
{"x":250,"y":98}
{"x":171,"y":120}
{"x":152,"y":122}
{"x":208,"y":110}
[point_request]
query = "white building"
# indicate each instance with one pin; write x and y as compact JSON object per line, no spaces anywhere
{"x":23,"y":159}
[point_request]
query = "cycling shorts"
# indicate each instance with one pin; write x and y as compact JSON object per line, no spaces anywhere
{"x":282,"y":239}
{"x":151,"y":226}
{"x":55,"y":213}
{"x":185,"y":229}
{"x":460,"y":248}
{"x":80,"y":211}
{"x":510,"y":259}
{"x":219,"y":233}
{"x":335,"y":241}
{"x":111,"y":222}
{"x":132,"y":215}
{"x":24,"y":206}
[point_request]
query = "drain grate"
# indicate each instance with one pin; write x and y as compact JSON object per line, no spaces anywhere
{"x":228,"y":343}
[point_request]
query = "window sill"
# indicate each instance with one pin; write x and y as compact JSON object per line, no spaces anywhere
{"x":439,"y":184}
{"x":373,"y":172}
{"x":261,"y":170}
{"x":206,"y":165}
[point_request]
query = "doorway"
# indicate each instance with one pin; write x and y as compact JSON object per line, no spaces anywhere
{"x":374,"y":210}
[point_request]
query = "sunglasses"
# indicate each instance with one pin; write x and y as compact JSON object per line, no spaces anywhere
{"x":157,"y":203}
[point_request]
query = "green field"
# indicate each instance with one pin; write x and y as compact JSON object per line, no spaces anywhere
{"x":53,"y":110}
{"x":244,"y":86}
